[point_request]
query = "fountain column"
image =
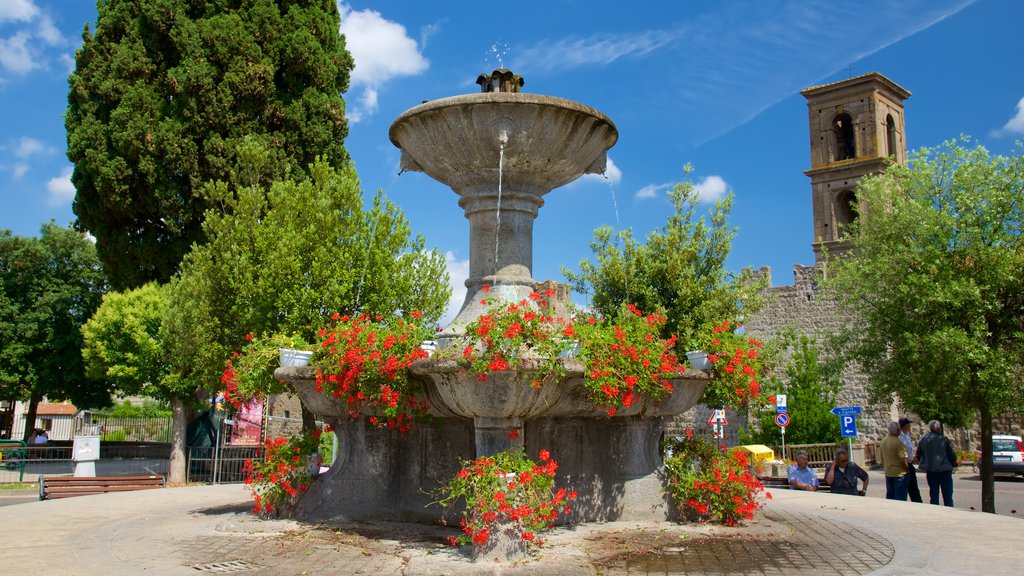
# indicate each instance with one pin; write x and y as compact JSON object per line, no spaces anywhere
{"x":511,"y":240}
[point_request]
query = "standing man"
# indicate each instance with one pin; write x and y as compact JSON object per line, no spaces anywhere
{"x":912,"y":490}
{"x":894,"y":462}
{"x":801,"y":476}
{"x":843,"y":474}
{"x":937,"y":458}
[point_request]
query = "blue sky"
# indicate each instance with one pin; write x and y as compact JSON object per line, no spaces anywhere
{"x":714,"y":84}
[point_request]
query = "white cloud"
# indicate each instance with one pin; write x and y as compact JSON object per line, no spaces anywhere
{"x":16,"y":55}
{"x":18,"y":10}
{"x":711,"y":189}
{"x":61,"y":190}
{"x":48,"y":32}
{"x":1015,"y":125}
{"x":458,"y":272}
{"x":598,"y":50}
{"x":707,"y":63}
{"x":652,"y":190}
{"x":382,"y":50}
{"x":612,"y":174}
{"x":25,"y":50}
{"x":20,"y":169}
{"x":30,"y":147}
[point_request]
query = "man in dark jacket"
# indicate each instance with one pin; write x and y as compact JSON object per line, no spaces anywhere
{"x":935,"y":455}
{"x":843,"y":474}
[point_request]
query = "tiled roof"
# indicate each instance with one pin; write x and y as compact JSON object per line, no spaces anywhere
{"x":47,"y":409}
{"x":857,"y":79}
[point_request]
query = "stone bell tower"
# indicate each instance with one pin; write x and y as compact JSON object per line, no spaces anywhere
{"x":856,"y":127}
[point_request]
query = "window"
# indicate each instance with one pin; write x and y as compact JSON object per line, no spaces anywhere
{"x":890,"y":136}
{"x":846,"y":211}
{"x":46,"y":424}
{"x":842,"y":127}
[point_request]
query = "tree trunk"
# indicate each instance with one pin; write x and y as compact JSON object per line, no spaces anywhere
{"x":988,"y":483}
{"x":177,"y":463}
{"x":30,"y":416}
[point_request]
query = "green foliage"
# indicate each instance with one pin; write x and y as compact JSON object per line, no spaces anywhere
{"x":812,"y":384}
{"x":250,"y":373}
{"x":165,"y":94}
{"x":283,"y":260}
{"x":127,"y":409}
{"x":505,"y":492}
{"x":680,"y":269}
{"x":115,"y":436}
{"x":285,"y":472}
{"x":366,"y":363}
{"x":122,"y":344}
{"x":49,"y":287}
{"x":708,"y":484}
{"x":936,"y":283}
{"x":739,"y":366}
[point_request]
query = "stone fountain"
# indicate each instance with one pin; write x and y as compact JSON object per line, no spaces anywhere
{"x":501,"y":151}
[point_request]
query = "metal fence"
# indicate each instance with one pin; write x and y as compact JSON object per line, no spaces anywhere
{"x":55,"y":460}
{"x":130,"y":429}
{"x":220,"y":465}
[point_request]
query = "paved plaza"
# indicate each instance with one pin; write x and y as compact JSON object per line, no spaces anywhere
{"x":208,"y":530}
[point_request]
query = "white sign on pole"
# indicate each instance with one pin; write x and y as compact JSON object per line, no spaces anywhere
{"x":780,"y":403}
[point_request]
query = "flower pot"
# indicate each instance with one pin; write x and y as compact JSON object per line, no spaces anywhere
{"x":698,"y":359}
{"x":291,"y":357}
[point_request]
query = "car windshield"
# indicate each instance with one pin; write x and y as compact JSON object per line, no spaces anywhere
{"x":1004,"y":445}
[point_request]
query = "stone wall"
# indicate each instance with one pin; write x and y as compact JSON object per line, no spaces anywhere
{"x":803,"y":307}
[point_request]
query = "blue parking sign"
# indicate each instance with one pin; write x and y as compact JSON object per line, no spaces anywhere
{"x":848,"y":425}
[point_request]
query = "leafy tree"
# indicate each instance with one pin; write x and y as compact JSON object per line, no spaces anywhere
{"x":49,"y":287}
{"x":122,"y":345}
{"x":284,"y":260}
{"x":811,"y":386}
{"x":164,"y":92}
{"x":936,"y":281}
{"x":680,"y":269}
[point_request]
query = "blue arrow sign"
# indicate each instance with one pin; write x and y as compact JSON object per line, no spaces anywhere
{"x":848,"y":425}
{"x":846,"y":410}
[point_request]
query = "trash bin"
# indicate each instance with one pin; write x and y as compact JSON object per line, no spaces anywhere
{"x":758,"y":455}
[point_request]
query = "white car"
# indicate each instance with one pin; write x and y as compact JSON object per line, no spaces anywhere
{"x":1008,"y":454}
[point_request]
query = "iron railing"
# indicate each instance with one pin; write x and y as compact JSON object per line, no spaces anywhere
{"x":126,"y":429}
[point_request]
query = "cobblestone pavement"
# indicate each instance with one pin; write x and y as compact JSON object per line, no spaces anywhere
{"x":779,"y":543}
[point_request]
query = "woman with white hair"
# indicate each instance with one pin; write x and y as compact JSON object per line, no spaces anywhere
{"x":935,"y":455}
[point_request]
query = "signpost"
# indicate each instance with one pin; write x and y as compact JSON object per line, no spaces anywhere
{"x":848,"y":422}
{"x":782,"y":419}
{"x":717,"y":422}
{"x":780,"y":403}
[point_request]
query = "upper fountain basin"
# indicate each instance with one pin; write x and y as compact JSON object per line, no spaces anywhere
{"x":548,"y":141}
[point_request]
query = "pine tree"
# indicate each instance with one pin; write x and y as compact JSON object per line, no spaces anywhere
{"x":164,"y":92}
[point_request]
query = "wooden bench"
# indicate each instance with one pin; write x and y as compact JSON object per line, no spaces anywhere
{"x":68,"y":486}
{"x":781,"y":483}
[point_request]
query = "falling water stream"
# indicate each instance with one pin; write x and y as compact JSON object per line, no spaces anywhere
{"x":615,"y":204}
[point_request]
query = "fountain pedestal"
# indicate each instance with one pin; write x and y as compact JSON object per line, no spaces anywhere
{"x":614,"y":463}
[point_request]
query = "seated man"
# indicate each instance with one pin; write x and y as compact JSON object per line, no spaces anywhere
{"x":802,"y":477}
{"x":843,"y":474}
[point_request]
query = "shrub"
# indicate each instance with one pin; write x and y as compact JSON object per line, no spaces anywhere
{"x":708,"y":484}
{"x":507,"y":491}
